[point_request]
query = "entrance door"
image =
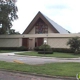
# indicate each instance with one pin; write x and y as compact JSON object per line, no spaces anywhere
{"x":38,"y":42}
{"x":25,"y":42}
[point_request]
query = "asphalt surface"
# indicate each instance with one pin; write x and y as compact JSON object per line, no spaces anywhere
{"x":33,"y":60}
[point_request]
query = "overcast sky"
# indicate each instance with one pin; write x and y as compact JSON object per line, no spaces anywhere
{"x":64,"y":12}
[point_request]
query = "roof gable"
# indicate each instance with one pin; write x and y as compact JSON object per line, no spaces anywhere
{"x":54,"y":25}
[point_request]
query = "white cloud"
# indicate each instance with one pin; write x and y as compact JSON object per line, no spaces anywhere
{"x":67,"y":15}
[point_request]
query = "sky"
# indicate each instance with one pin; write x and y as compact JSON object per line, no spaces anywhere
{"x":64,"y":12}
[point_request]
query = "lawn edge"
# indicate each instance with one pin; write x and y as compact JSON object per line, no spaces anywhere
{"x":40,"y":75}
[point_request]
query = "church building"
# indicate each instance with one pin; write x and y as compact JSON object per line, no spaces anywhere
{"x":41,"y":24}
{"x":41,"y":30}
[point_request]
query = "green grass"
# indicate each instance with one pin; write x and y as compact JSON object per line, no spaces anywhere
{"x":53,"y":69}
{"x":6,"y":51}
{"x":55,"y":54}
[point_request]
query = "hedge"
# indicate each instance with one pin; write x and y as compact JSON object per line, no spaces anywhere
{"x":45,"y":52}
{"x":65,"y":50}
{"x":22,"y":48}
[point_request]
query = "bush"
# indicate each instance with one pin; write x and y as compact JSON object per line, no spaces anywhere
{"x":22,"y":48}
{"x":65,"y":50}
{"x":44,"y":49}
{"x":74,"y":44}
{"x":36,"y":49}
{"x":45,"y":52}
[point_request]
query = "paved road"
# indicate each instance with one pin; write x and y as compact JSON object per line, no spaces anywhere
{"x":17,"y":76}
{"x":32,"y":60}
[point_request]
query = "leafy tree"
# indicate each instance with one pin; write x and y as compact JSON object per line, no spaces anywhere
{"x":8,"y":14}
{"x":74,"y":44}
{"x":12,"y":31}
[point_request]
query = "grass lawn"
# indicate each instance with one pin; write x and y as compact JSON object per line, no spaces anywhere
{"x":6,"y":51}
{"x":53,"y":69}
{"x":55,"y":54}
{"x":3,"y":51}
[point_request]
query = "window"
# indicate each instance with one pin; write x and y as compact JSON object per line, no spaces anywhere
{"x":41,"y":27}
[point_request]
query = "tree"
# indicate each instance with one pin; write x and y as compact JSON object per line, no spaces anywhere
{"x":12,"y":31}
{"x":8,"y":14}
{"x":74,"y":44}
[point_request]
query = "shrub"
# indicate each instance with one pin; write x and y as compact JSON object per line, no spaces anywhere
{"x":22,"y":48}
{"x":44,"y":49}
{"x":45,"y":52}
{"x":36,"y":49}
{"x":74,"y":44}
{"x":65,"y":50}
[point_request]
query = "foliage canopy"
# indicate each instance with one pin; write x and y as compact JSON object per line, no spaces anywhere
{"x":8,"y":13}
{"x":74,"y":43}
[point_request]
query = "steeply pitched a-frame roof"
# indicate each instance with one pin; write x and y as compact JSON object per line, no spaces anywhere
{"x":47,"y":20}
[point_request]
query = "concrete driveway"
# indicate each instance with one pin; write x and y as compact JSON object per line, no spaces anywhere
{"x":33,"y":60}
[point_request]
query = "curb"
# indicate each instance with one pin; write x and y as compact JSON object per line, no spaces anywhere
{"x":40,"y":75}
